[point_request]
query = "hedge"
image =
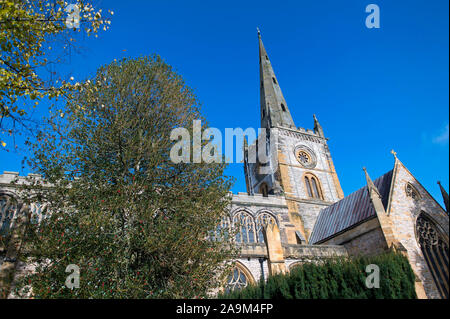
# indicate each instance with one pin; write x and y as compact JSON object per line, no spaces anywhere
{"x":341,"y":278}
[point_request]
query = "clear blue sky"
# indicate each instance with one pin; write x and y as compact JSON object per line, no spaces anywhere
{"x":372,"y":89}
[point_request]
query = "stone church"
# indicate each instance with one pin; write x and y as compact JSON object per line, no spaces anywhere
{"x":298,"y":213}
{"x":307,"y":217}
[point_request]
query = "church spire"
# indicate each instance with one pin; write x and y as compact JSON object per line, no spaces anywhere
{"x":444,"y":196}
{"x":274,"y":110}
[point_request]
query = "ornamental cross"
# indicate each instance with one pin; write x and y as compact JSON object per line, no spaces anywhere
{"x":394,"y":153}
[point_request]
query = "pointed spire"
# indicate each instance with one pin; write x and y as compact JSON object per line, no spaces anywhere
{"x":274,"y":110}
{"x":444,"y":196}
{"x":370,"y":185}
{"x":245,"y":145}
{"x":317,"y":127}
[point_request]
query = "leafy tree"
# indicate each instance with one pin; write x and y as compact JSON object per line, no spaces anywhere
{"x":137,"y":224}
{"x":34,"y":36}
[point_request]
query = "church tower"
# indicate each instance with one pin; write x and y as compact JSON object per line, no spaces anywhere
{"x":302,"y":169}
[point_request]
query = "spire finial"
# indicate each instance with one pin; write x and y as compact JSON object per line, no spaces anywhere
{"x":444,"y":197}
{"x":370,"y":185}
{"x":317,"y":127}
{"x":259,"y":32}
{"x":394,"y":153}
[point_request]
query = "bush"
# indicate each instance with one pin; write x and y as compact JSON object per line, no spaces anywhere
{"x":342,"y":278}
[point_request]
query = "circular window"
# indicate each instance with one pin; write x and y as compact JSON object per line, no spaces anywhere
{"x":305,"y":156}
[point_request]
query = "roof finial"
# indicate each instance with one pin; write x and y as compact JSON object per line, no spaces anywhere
{"x":259,"y":32}
{"x":445,"y":197}
{"x":317,"y":127}
{"x":370,"y":185}
{"x":394,"y":153}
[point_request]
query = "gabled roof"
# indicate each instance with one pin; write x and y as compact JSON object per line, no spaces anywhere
{"x":350,"y":211}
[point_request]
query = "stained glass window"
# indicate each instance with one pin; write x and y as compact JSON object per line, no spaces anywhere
{"x":245,"y":227}
{"x":236,"y":280}
{"x":8,"y":211}
{"x":262,"y":220}
{"x":435,"y":251}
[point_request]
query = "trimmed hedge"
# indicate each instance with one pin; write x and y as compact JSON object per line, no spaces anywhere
{"x":342,"y":278}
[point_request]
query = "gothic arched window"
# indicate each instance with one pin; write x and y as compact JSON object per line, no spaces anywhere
{"x":37,"y":213}
{"x":237,"y":280}
{"x":283,"y":107}
{"x":313,"y":186}
{"x":222,"y":230}
{"x":274,"y":81}
{"x":308,"y":187}
{"x":435,"y":251}
{"x":262,"y":220}
{"x":245,"y":227}
{"x":8,"y":211}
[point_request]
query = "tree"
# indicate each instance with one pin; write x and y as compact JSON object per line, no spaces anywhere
{"x":137,"y":224}
{"x":34,"y":36}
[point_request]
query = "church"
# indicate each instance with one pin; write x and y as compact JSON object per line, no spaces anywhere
{"x":298,"y":213}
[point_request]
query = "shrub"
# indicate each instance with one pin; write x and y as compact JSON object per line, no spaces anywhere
{"x":341,"y":278}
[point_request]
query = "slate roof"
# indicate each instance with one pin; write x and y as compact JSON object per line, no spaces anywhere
{"x":349,"y":211}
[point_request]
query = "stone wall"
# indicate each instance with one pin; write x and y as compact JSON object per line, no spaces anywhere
{"x":253,"y":254}
{"x":363,"y":239}
{"x":403,"y":212}
{"x":370,"y":243}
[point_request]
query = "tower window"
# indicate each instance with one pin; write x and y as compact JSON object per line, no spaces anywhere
{"x":283,"y":107}
{"x":264,"y":113}
{"x":267,"y":58}
{"x":313,"y":186}
{"x":308,"y":187}
{"x":274,"y":80}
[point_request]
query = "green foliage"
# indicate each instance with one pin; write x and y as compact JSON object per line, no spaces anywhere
{"x":336,"y":279}
{"x":135,"y":223}
{"x":31,"y":34}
